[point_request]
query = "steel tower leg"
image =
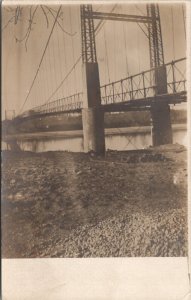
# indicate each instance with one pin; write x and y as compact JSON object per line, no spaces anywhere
{"x":155,"y":36}
{"x":160,"y":113}
{"x":92,"y":113}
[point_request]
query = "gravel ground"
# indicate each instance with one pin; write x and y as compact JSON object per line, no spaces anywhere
{"x":60,"y":204}
{"x":127,"y":235}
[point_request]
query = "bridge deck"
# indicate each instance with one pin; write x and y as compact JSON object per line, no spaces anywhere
{"x":137,"y":92}
{"x":131,"y":105}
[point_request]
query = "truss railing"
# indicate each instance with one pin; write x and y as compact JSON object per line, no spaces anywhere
{"x":142,"y":85}
{"x":131,"y":88}
{"x":136,"y":87}
{"x":176,"y":76}
{"x":70,"y":103}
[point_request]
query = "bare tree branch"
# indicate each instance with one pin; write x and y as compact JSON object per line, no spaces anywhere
{"x":44,"y":12}
{"x":71,"y":34}
{"x":9,"y":21}
{"x":17,"y":14}
{"x":60,"y":14}
{"x":29,"y":29}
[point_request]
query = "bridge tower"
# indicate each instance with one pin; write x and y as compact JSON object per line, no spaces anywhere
{"x":92,"y":113}
{"x":160,"y":112}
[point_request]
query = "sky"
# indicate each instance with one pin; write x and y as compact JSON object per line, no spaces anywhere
{"x":122,"y":49}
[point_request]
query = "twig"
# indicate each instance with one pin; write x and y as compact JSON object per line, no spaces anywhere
{"x":47,"y":22}
{"x":71,"y":34}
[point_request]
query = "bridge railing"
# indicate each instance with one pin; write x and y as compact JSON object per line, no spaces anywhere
{"x":142,"y":85}
{"x":176,"y":76}
{"x":70,"y":103}
{"x":134,"y":87}
{"x":138,"y":86}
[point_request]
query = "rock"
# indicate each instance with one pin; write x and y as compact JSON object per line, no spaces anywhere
{"x":19,"y":196}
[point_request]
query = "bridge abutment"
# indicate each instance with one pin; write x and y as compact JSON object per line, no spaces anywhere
{"x":92,"y":112}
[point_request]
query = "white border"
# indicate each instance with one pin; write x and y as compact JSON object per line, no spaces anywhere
{"x":106,"y":278}
{"x":94,"y":279}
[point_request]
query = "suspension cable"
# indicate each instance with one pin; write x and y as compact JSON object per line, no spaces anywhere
{"x":138,"y":48}
{"x":183,"y":14}
{"x":126,"y":59}
{"x":59,"y":54}
{"x":36,"y":74}
{"x":54,"y":57}
{"x":48,"y":79}
{"x":73,"y":49}
{"x":67,"y":75}
{"x":61,"y":27}
{"x":146,"y":25}
{"x":97,"y":30}
{"x":114,"y":50}
{"x":107,"y":61}
{"x":102,"y":22}
{"x":65,"y":61}
{"x":172,"y":22}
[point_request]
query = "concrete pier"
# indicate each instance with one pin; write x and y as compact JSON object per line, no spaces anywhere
{"x":161,"y":125}
{"x":160,"y":112}
{"x":93,"y":130}
{"x":92,"y":113}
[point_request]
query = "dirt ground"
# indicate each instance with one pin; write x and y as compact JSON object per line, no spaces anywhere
{"x":61,"y":204}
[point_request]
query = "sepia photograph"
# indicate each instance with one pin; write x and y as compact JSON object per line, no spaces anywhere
{"x":94,"y":130}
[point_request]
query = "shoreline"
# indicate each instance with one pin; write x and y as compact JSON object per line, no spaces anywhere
{"x":79,"y":133}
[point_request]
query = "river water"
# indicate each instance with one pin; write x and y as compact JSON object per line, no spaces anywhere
{"x":131,"y":138}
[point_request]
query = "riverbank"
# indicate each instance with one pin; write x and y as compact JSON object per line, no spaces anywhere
{"x":130,"y":138}
{"x":79,"y":133}
{"x":59,"y":204}
{"x":73,"y":122}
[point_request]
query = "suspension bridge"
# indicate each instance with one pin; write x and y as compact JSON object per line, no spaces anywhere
{"x":135,"y":92}
{"x":153,"y":89}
